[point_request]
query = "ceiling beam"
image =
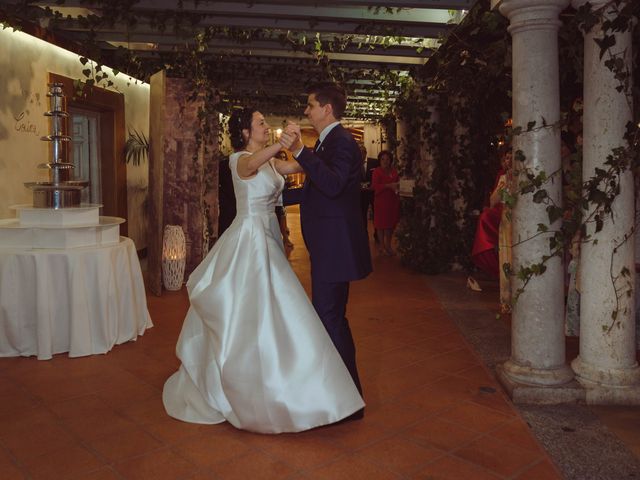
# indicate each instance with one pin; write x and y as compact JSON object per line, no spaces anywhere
{"x":420,"y":30}
{"x":168,"y":42}
{"x":337,"y":12}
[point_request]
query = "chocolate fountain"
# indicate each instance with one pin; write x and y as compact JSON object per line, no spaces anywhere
{"x":60,"y":191}
{"x":57,"y":219}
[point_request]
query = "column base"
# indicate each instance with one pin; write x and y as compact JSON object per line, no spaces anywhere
{"x":571,"y":392}
{"x":521,"y":393}
{"x":537,"y":377}
{"x":594,"y":377}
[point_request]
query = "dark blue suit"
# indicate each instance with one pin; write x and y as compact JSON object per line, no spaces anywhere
{"x":334,"y":233}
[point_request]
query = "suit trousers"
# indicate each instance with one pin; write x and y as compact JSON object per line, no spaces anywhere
{"x":330,"y":301}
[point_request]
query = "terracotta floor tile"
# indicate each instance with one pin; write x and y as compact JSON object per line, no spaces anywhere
{"x":70,"y":461}
{"x":395,"y":415}
{"x":204,"y":475}
{"x":448,"y":388}
{"x":440,"y":434}
{"x":478,"y":373}
{"x":497,"y":456}
{"x":454,"y":361}
{"x":158,"y":465}
{"x":44,"y":438}
{"x":543,"y":470}
{"x":79,"y":406}
{"x":146,"y":411}
{"x":353,"y":435}
{"x":517,"y":433}
{"x":100,"y":423}
{"x":119,"y":398}
{"x":403,"y":380}
{"x":475,"y":417}
{"x":171,"y":431}
{"x":26,"y":423}
{"x":432,"y":400}
{"x":114,"y":378}
{"x":399,"y":455}
{"x":352,"y":468}
{"x":379,"y":343}
{"x":209,"y":449}
{"x":105,"y":473}
{"x":438,"y":345}
{"x":450,"y":468}
{"x":492,"y":397}
{"x":253,"y":465}
{"x":9,"y":470}
{"x":125,"y":444}
{"x":300,"y":451}
{"x":14,"y":401}
{"x":54,"y":389}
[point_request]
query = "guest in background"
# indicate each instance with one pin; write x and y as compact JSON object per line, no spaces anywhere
{"x":492,"y":244}
{"x":485,"y":245}
{"x":281,"y":212}
{"x":366,"y":194}
{"x":386,"y":200}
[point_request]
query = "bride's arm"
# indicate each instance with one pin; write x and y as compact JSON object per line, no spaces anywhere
{"x":248,"y":164}
{"x":285,"y":167}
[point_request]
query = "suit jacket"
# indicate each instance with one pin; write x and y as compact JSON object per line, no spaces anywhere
{"x":330,"y":212}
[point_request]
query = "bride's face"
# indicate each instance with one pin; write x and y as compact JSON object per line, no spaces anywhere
{"x":259,"y":129}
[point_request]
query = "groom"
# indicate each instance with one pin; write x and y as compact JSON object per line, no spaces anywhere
{"x":330,"y":214}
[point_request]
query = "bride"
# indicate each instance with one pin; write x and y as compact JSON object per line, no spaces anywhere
{"x":253,"y":350}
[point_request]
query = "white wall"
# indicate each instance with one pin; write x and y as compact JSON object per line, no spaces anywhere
{"x":25,"y":63}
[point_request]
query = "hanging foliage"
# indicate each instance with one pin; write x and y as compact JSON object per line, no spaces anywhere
{"x":455,"y":115}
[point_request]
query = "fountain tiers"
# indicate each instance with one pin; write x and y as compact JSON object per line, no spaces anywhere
{"x":57,"y":219}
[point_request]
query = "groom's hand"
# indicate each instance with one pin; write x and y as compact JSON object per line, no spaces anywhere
{"x":287,"y":140}
{"x":294,"y":130}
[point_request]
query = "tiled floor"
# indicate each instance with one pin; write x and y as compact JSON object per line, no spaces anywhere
{"x":433,"y":411}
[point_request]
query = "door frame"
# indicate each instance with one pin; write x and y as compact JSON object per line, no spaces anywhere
{"x":113,"y":171}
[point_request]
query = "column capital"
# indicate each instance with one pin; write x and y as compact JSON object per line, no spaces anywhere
{"x":532,"y":14}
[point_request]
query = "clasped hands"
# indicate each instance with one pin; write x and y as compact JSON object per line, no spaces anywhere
{"x":291,"y":137}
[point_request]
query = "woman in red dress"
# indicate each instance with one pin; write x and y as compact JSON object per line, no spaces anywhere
{"x":386,"y":202}
{"x":485,"y":246}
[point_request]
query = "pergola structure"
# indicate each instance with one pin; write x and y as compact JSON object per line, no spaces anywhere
{"x":267,"y":49}
{"x":284,"y":43}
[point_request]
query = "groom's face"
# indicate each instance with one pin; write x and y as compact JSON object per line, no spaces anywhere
{"x":316,"y":113}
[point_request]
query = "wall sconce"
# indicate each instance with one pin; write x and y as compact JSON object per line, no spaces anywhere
{"x":174,"y":254}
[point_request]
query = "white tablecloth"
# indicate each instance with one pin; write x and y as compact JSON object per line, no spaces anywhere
{"x":81,"y":300}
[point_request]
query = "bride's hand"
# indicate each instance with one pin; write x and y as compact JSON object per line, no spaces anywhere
{"x":294,"y":129}
{"x":287,"y":140}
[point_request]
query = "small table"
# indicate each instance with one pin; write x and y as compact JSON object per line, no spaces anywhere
{"x":78,"y":300}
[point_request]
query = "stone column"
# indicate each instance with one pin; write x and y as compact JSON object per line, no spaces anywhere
{"x":607,"y":345}
{"x":537,"y":335}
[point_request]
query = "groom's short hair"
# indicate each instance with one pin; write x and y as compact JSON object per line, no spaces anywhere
{"x":332,"y":93}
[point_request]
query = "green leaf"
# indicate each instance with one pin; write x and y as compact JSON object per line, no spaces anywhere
{"x":539,"y":196}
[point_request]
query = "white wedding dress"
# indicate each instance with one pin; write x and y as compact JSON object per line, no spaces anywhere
{"x":253,"y":350}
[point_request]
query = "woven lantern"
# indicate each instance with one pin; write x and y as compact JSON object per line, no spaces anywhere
{"x":174,"y":254}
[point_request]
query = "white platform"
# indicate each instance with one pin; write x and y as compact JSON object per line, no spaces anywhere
{"x":63,"y":228}
{"x":30,"y":216}
{"x":105,"y":232}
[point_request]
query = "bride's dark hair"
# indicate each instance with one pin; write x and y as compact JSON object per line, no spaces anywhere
{"x":239,"y":120}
